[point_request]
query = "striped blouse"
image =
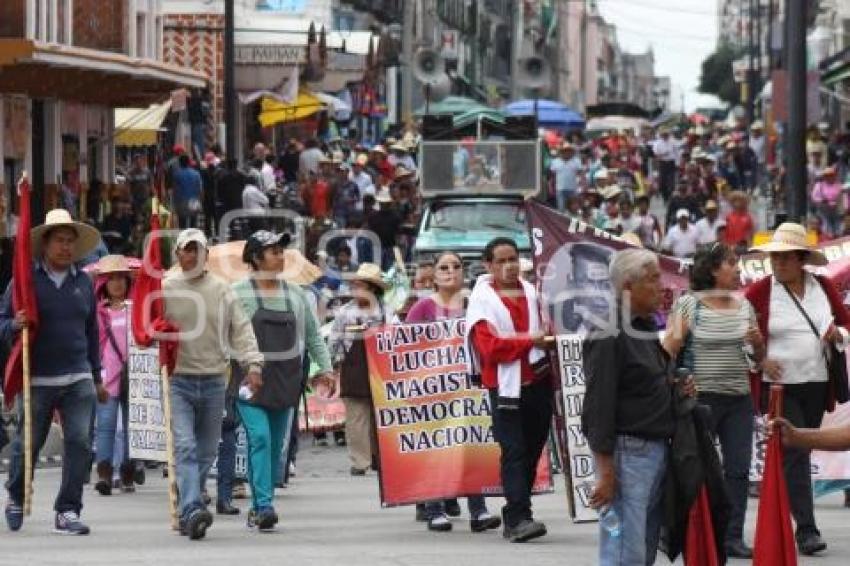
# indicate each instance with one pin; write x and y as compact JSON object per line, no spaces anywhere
{"x":717,"y":344}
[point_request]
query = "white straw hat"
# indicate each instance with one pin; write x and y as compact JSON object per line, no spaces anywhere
{"x":790,"y":237}
{"x":87,"y":236}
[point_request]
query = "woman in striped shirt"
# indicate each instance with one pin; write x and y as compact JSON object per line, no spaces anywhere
{"x":713,"y":332}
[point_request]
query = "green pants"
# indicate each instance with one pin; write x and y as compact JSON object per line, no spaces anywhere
{"x":267,"y":431}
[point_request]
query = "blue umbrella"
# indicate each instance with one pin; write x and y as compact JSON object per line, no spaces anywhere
{"x":549,"y":113}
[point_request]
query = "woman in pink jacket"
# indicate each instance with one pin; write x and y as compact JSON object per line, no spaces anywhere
{"x":112,"y":287}
{"x":827,"y":198}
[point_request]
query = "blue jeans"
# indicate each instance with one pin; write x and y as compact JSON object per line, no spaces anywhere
{"x":226,"y":464}
{"x":197,"y":409}
{"x":75,"y":404}
{"x":107,"y":423}
{"x":639,"y":468}
{"x":732,"y":423}
{"x":561,"y":198}
{"x":268,"y":432}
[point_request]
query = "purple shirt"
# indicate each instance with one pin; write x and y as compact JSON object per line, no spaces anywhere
{"x":427,"y":310}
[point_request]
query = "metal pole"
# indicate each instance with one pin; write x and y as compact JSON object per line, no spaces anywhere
{"x":795,"y":141}
{"x":407,"y":34}
{"x":230,"y":101}
{"x":751,"y":66}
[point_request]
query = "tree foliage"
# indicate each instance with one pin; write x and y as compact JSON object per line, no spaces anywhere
{"x":717,"y":77}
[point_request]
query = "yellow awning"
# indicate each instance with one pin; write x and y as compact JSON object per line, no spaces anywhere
{"x":136,"y":127}
{"x":274,"y":112}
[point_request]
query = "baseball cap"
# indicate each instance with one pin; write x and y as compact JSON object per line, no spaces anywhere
{"x":188,"y":236}
{"x":682,"y":213}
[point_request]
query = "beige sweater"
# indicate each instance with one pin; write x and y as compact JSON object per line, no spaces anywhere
{"x":213,"y":325}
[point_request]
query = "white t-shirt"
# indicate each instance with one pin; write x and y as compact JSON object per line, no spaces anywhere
{"x":707,"y":232}
{"x":681,"y":243}
{"x":665,"y":150}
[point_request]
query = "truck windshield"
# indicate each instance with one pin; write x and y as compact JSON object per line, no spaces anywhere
{"x":464,"y":217}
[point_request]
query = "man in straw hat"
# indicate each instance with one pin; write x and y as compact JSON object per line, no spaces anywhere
{"x":65,"y":363}
{"x":799,"y":314}
{"x":213,"y":329}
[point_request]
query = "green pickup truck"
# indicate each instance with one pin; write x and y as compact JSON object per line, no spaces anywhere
{"x":475,"y":191}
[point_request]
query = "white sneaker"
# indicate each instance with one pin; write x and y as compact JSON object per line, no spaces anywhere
{"x":292,"y":469}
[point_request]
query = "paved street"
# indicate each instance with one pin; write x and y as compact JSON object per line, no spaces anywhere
{"x":327,"y":517}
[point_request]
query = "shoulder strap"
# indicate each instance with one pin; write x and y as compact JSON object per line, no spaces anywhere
{"x":112,"y":341}
{"x":802,"y":310}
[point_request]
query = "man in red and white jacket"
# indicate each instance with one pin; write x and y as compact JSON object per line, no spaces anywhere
{"x":505,"y":341}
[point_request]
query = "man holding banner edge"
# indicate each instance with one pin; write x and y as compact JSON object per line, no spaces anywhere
{"x":507,"y":349}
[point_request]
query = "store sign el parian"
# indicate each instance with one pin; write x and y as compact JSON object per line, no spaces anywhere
{"x":270,"y":55}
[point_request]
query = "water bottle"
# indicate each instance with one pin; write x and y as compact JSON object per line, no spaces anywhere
{"x":610,"y":521}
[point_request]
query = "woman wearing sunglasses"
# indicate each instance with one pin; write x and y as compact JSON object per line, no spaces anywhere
{"x":448,"y":302}
{"x":713,"y":330}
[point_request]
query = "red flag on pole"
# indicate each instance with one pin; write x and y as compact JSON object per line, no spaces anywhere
{"x":148,"y":310}
{"x":23,"y":291}
{"x":700,"y":543}
{"x":774,"y":542}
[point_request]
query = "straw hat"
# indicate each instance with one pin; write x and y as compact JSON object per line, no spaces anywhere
{"x":379,"y":149}
{"x":397,"y":146}
{"x":87,"y":236}
{"x":611,"y":191}
{"x":401,"y":172}
{"x":112,"y":264}
{"x":370,"y":273}
{"x":757,"y":125}
{"x":790,"y":237}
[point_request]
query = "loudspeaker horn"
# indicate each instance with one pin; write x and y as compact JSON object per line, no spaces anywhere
{"x":428,"y":66}
{"x":534,"y":72}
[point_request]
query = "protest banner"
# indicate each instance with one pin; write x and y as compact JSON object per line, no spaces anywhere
{"x":434,"y":427}
{"x":146,"y":421}
{"x":579,"y":468}
{"x":571,"y":264}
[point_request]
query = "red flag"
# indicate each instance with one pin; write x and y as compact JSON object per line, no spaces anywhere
{"x":23,"y":292}
{"x":148,"y":310}
{"x":700,"y":544}
{"x":774,"y":543}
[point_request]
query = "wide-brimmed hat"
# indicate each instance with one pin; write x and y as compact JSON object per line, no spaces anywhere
{"x":611,"y":191}
{"x":711,"y":204}
{"x":601,"y":174}
{"x":398,"y":146}
{"x":87,"y":236}
{"x":112,"y":264}
{"x":683,"y":213}
{"x":379,"y":149}
{"x":757,"y":125}
{"x":401,"y":172}
{"x":790,"y":237}
{"x":370,"y":273}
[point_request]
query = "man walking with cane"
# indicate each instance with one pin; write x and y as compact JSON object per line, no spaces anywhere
{"x":65,"y":364}
{"x":211,"y":323}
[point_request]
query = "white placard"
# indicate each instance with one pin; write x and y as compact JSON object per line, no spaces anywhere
{"x":146,"y":418}
{"x":579,"y":458}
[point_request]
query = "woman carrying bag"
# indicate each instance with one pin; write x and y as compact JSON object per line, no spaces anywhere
{"x":284,"y":324}
{"x":349,"y":354}
{"x":805,"y":325}
{"x":713,"y":332}
{"x":112,"y":289}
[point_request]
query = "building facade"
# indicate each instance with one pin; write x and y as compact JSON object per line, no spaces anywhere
{"x":65,"y":65}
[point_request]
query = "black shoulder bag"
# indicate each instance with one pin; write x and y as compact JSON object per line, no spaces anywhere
{"x":836,"y":361}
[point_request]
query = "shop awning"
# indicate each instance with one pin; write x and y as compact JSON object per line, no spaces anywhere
{"x":274,"y":112}
{"x":836,"y":74}
{"x":47,"y":70}
{"x":136,"y":127}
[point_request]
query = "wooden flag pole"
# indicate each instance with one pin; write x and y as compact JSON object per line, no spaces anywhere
{"x":169,"y":449}
{"x":28,"y":472}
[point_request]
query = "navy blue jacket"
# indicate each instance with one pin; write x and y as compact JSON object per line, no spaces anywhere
{"x":67,"y":341}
